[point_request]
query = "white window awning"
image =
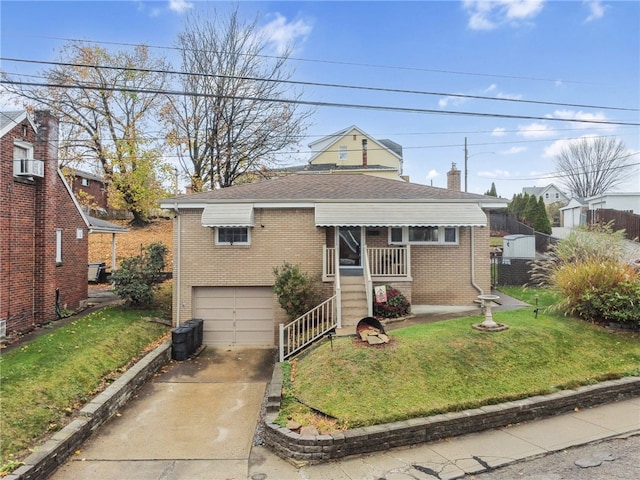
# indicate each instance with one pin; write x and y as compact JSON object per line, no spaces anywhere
{"x":399,"y":214}
{"x":228,"y":215}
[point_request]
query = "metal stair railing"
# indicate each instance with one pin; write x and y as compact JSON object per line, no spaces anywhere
{"x":306,"y":329}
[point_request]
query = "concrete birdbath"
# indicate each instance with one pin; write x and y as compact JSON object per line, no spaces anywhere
{"x":489,"y":325}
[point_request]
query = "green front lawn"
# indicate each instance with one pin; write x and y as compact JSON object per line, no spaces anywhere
{"x":44,"y":381}
{"x":449,"y":366}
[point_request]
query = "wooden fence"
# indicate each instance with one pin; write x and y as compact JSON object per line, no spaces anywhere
{"x":628,"y":221}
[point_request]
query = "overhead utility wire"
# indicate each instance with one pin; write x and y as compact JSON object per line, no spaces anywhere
{"x":331,"y":62}
{"x":317,"y":84}
{"x":319,"y":104}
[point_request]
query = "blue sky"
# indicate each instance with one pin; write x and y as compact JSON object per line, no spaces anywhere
{"x":575,"y":56}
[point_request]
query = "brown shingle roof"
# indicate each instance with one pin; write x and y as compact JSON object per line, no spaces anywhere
{"x":318,"y":187}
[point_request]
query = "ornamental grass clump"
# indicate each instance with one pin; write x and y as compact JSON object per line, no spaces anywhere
{"x":592,"y":281}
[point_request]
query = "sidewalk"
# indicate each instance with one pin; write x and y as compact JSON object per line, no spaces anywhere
{"x":469,"y":454}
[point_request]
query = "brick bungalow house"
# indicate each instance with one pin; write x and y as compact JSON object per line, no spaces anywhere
{"x":349,"y":232}
{"x":90,"y":191}
{"x":43,"y":233}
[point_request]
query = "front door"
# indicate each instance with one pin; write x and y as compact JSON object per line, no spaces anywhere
{"x":350,"y":239}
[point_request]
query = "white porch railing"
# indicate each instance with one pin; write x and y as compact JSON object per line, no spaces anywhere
{"x":382,"y":261}
{"x":308,"y":328}
{"x":368,"y":283}
{"x":389,"y":261}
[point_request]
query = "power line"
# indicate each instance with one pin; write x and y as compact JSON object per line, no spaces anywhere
{"x":317,"y":103}
{"x":329,"y":62}
{"x":318,"y":84}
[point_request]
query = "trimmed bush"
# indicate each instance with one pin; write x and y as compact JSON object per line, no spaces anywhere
{"x":295,"y":290}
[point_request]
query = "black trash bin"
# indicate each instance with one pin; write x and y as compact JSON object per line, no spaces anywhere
{"x":180,"y":343}
{"x":198,"y":332}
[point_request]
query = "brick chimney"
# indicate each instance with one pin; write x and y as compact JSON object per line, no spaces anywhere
{"x":364,"y":153}
{"x":46,"y":198}
{"x":453,"y":178}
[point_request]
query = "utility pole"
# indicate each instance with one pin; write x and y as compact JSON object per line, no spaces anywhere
{"x":466,"y":158}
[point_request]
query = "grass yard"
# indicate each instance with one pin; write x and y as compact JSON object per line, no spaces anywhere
{"x":448,"y":366}
{"x":47,"y":379}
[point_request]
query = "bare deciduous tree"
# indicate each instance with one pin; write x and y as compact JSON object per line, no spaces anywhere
{"x":106,"y":102}
{"x":232,"y":119}
{"x":592,"y":165}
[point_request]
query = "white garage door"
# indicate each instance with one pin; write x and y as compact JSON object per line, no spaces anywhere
{"x":235,"y":315}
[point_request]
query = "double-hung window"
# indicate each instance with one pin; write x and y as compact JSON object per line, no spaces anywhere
{"x":424,"y":235}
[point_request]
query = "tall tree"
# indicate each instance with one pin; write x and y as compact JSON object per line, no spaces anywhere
{"x":492,"y":191}
{"x":591,"y":166}
{"x":234,"y":116}
{"x":106,"y":103}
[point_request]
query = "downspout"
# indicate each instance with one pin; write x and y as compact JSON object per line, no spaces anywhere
{"x":473,"y":263}
{"x":176,"y":265}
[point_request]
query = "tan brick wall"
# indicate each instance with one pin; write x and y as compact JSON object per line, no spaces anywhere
{"x":278,"y":236}
{"x":442,"y":273}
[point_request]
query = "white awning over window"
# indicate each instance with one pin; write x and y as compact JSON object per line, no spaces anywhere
{"x":228,"y":215}
{"x":399,"y":214}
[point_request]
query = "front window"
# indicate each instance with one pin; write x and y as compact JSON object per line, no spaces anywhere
{"x":84,"y":182}
{"x":424,"y":235}
{"x":232,"y":236}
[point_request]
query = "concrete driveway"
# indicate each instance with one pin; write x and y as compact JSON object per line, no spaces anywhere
{"x":195,"y":420}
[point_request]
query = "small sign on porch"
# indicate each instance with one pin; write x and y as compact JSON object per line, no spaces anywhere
{"x":381,"y":293}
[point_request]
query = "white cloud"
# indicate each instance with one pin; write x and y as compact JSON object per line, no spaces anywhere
{"x":180,"y":6}
{"x":495,"y":173}
{"x":485,"y":15}
{"x":491,"y":88}
{"x":535,"y":130}
{"x":513,"y":151}
{"x":556,"y":147}
{"x":596,"y":10}
{"x":432,"y":174}
{"x":498,"y":132}
{"x":446,"y":101}
{"x":283,"y":34}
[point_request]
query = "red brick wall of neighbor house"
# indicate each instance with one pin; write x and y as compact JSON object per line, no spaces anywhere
{"x":17,"y":244}
{"x":95,"y":192}
{"x":71,"y":275}
{"x":31,"y":212}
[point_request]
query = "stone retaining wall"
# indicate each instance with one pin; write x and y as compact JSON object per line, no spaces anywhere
{"x":53,"y":453}
{"x":320,"y":448}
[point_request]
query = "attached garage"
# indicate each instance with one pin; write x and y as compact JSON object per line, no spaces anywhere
{"x":235,"y":315}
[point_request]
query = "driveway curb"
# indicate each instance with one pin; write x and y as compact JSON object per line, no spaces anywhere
{"x":313,"y":449}
{"x":55,"y":451}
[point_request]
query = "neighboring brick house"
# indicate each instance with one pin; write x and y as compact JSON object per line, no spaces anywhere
{"x":90,"y":191}
{"x":430,"y":243}
{"x":43,"y":233}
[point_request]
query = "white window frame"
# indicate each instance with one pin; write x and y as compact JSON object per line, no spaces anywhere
{"x":84,"y":182}
{"x":58,"y":245}
{"x":342,"y":153}
{"x":216,"y":234}
{"x":27,"y":147}
{"x":441,"y":236}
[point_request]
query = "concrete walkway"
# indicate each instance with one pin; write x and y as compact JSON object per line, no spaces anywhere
{"x":196,"y":420}
{"x":461,"y":456}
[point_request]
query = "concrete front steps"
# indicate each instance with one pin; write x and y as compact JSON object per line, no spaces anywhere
{"x":354,"y":304}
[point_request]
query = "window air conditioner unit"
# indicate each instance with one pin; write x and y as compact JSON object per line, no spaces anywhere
{"x":28,"y":168}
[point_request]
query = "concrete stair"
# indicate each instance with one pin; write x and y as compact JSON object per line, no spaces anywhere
{"x":354,"y":301}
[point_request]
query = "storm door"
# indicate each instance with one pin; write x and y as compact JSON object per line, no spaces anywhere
{"x":350,"y":243}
